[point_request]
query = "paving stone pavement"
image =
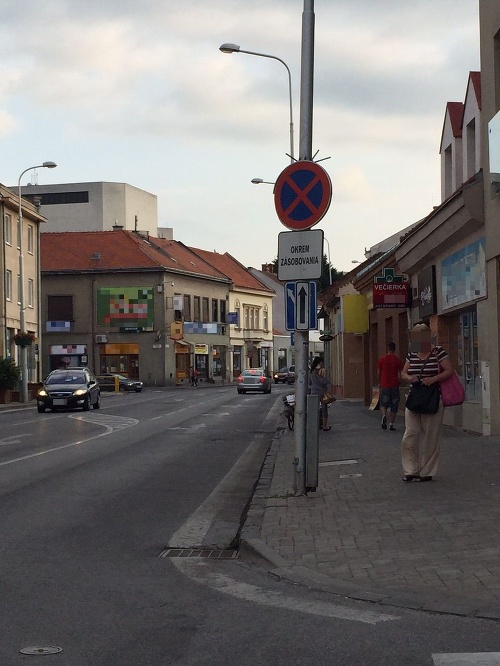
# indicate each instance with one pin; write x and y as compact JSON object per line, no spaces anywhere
{"x":366,"y":534}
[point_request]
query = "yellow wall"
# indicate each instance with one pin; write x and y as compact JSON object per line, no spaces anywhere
{"x":355,"y":313}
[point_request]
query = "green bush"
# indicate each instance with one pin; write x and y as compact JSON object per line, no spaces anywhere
{"x":9,"y":374}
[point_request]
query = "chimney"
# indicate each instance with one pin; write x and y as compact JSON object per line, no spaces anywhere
{"x":268,"y":268}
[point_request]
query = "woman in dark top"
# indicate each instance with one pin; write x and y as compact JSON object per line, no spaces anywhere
{"x":428,"y":364}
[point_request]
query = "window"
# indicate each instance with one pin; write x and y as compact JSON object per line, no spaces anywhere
{"x":31,"y":292}
{"x":238,"y":316}
{"x":265,"y":318}
{"x":19,"y":288}
{"x":60,"y":308}
{"x":215,"y":310}
{"x":197,"y":311}
{"x":222,"y":311}
{"x":18,"y":233}
{"x":8,"y":285}
{"x":7,"y":228}
{"x":31,"y":237}
{"x":186,"y":310}
{"x":54,"y":198}
{"x":257,"y":318}
{"x":205,"y":310}
{"x":247,"y":317}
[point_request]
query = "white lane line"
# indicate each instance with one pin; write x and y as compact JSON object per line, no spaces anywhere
{"x":467,"y":659}
{"x":199,"y":571}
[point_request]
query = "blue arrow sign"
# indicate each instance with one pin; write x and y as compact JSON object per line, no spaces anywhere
{"x":301,"y":306}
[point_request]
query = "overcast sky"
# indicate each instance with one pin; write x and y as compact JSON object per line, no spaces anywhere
{"x":122,"y":91}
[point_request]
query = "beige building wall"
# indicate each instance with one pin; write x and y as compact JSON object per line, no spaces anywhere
{"x":249,"y":340}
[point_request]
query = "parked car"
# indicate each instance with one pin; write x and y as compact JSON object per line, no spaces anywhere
{"x":281,"y":376}
{"x":125,"y":383}
{"x":254,"y":379}
{"x":71,"y":387}
{"x":291,"y":375}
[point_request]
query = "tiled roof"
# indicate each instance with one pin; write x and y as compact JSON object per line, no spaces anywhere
{"x":118,"y":250}
{"x":228,"y":265}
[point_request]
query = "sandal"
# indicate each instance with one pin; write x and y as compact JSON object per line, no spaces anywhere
{"x":424,"y":478}
{"x":327,"y":428}
{"x":408,"y":478}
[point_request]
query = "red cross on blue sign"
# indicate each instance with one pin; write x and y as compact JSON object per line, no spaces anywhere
{"x":302,"y":195}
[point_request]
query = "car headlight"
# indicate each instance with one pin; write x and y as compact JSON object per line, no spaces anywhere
{"x":42,"y":393}
{"x":80,"y":392}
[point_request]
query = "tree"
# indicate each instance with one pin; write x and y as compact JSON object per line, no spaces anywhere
{"x":326,"y":268}
{"x":9,"y":374}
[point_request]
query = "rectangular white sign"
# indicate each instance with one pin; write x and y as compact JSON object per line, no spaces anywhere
{"x":300,"y":254}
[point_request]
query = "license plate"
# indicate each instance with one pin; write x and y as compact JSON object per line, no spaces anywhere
{"x":58,"y":402}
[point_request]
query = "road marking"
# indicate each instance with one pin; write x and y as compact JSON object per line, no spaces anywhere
{"x":106,"y":420}
{"x":188,"y":429}
{"x":201,"y":572}
{"x":13,"y":439}
{"x":467,"y":659}
{"x":216,"y":416}
{"x":111,"y":426}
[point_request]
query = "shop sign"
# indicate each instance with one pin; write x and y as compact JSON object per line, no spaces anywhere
{"x":201,"y":349}
{"x":390,"y":290}
{"x":463,"y":275}
{"x":426,"y":297}
{"x":176,"y":330}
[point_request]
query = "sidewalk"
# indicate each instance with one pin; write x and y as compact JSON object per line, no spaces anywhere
{"x":367,"y":535}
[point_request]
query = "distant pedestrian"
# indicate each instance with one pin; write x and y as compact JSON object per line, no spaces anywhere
{"x":320,"y":385}
{"x":389,"y":377}
{"x":425,"y":364}
{"x":194,"y":376}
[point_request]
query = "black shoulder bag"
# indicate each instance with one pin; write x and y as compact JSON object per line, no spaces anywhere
{"x":423,"y":399}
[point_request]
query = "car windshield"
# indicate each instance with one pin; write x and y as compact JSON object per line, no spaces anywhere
{"x":66,"y":378}
{"x":254,"y":371}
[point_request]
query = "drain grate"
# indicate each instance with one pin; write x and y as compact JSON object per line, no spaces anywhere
{"x":209,"y":553}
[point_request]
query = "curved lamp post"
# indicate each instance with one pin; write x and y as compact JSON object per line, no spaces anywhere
{"x":23,"y":356}
{"x":234,"y":48}
{"x":259,"y":181}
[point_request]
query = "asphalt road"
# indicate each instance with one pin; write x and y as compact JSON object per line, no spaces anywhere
{"x":89,"y":502}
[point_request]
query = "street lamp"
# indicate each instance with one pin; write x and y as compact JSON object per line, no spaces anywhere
{"x":234,"y":48}
{"x":23,"y":355}
{"x":259,"y":181}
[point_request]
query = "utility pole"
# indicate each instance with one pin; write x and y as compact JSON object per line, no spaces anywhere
{"x":302,"y":337}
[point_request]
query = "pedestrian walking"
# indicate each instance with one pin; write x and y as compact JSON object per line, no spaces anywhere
{"x":389,"y":369}
{"x":426,"y":365}
{"x":320,"y":385}
{"x":194,"y":376}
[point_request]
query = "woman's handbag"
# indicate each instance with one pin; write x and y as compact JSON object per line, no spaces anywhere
{"x":452,"y":391}
{"x":423,"y":399}
{"x":327,"y":398}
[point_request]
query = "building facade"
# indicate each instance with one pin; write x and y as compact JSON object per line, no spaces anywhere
{"x":123,"y":302}
{"x":20,"y":238}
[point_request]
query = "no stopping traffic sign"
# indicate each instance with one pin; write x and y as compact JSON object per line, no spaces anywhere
{"x":302,"y":195}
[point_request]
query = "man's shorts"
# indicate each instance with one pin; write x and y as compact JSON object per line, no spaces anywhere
{"x":389,"y":398}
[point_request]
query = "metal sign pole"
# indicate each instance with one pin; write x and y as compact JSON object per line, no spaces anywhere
{"x":302,"y":337}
